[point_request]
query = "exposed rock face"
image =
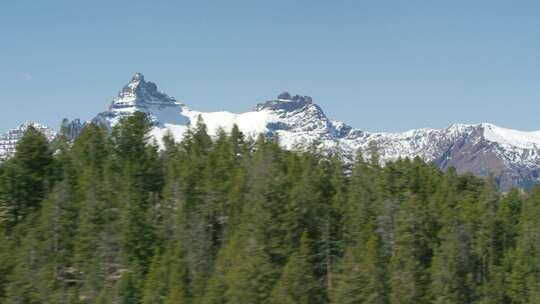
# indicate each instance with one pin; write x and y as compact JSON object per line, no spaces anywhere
{"x":475,"y":152}
{"x":71,"y":129}
{"x":284,"y":96}
{"x":513,"y":157}
{"x":140,"y":95}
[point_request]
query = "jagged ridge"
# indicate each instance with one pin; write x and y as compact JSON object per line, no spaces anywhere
{"x":512,"y":156}
{"x":8,"y":141}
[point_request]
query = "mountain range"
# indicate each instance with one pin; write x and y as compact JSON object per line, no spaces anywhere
{"x":511,"y":156}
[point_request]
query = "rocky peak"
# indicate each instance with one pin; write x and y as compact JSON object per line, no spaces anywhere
{"x":136,"y":83}
{"x":144,"y":96}
{"x":296,"y":113}
{"x":284,"y":96}
{"x":285,"y":102}
{"x":137,"y":77}
{"x":8,"y":140}
{"x":71,"y":129}
{"x":139,"y":92}
{"x":512,"y":155}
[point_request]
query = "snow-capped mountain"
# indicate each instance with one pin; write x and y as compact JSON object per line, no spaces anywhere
{"x":295,"y":118}
{"x":140,"y":95}
{"x":482,"y":149}
{"x":8,"y":141}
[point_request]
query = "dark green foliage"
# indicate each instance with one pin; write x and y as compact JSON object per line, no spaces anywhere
{"x":298,"y":283}
{"x":130,"y":287}
{"x":24,"y":178}
{"x":110,"y":218}
{"x":361,"y":276}
{"x":452,"y":267}
{"x":411,"y":257}
{"x":251,"y":274}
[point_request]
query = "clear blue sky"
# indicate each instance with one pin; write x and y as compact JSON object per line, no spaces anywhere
{"x":377,"y":65}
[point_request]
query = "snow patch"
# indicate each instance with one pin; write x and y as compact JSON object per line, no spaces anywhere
{"x":509,"y":137}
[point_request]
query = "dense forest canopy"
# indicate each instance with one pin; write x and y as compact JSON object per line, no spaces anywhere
{"x":110,"y":218}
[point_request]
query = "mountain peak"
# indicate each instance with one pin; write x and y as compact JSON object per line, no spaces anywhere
{"x":286,"y":102}
{"x":8,"y":140}
{"x":137,"y":88}
{"x":144,"y":96}
{"x":284,"y":96}
{"x":137,"y":77}
{"x":139,"y":92}
{"x":137,"y":81}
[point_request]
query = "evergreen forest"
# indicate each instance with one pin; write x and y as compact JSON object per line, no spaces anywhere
{"x":113,"y":218}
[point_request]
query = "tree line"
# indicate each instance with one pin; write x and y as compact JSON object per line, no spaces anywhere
{"x":111,"y":218}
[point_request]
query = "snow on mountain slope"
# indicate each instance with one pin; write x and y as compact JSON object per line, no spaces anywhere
{"x":8,"y":141}
{"x":252,"y":123}
{"x":509,"y":137}
{"x":139,"y":95}
{"x":296,"y":119}
{"x":296,"y":122}
{"x":299,"y":122}
{"x":426,"y":143}
{"x":483,"y":149}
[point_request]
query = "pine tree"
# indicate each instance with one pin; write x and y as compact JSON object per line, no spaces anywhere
{"x":508,"y":219}
{"x":305,"y":203}
{"x":129,"y":289}
{"x":142,"y":181}
{"x":216,"y":290}
{"x":297,"y":283}
{"x":251,"y":275}
{"x":452,"y":269}
{"x":197,"y":222}
{"x":178,"y":282}
{"x":155,"y":284}
{"x":362,"y":276}
{"x":409,"y":276}
{"x":6,"y":263}
{"x":23,"y":183}
{"x":221,"y":167}
{"x":374,"y":157}
{"x":484,"y":242}
{"x":331,"y":243}
{"x":238,"y":141}
{"x":130,"y":136}
{"x":364,"y":197}
{"x":27,"y":268}
{"x":266,"y":201}
{"x":526,"y":258}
